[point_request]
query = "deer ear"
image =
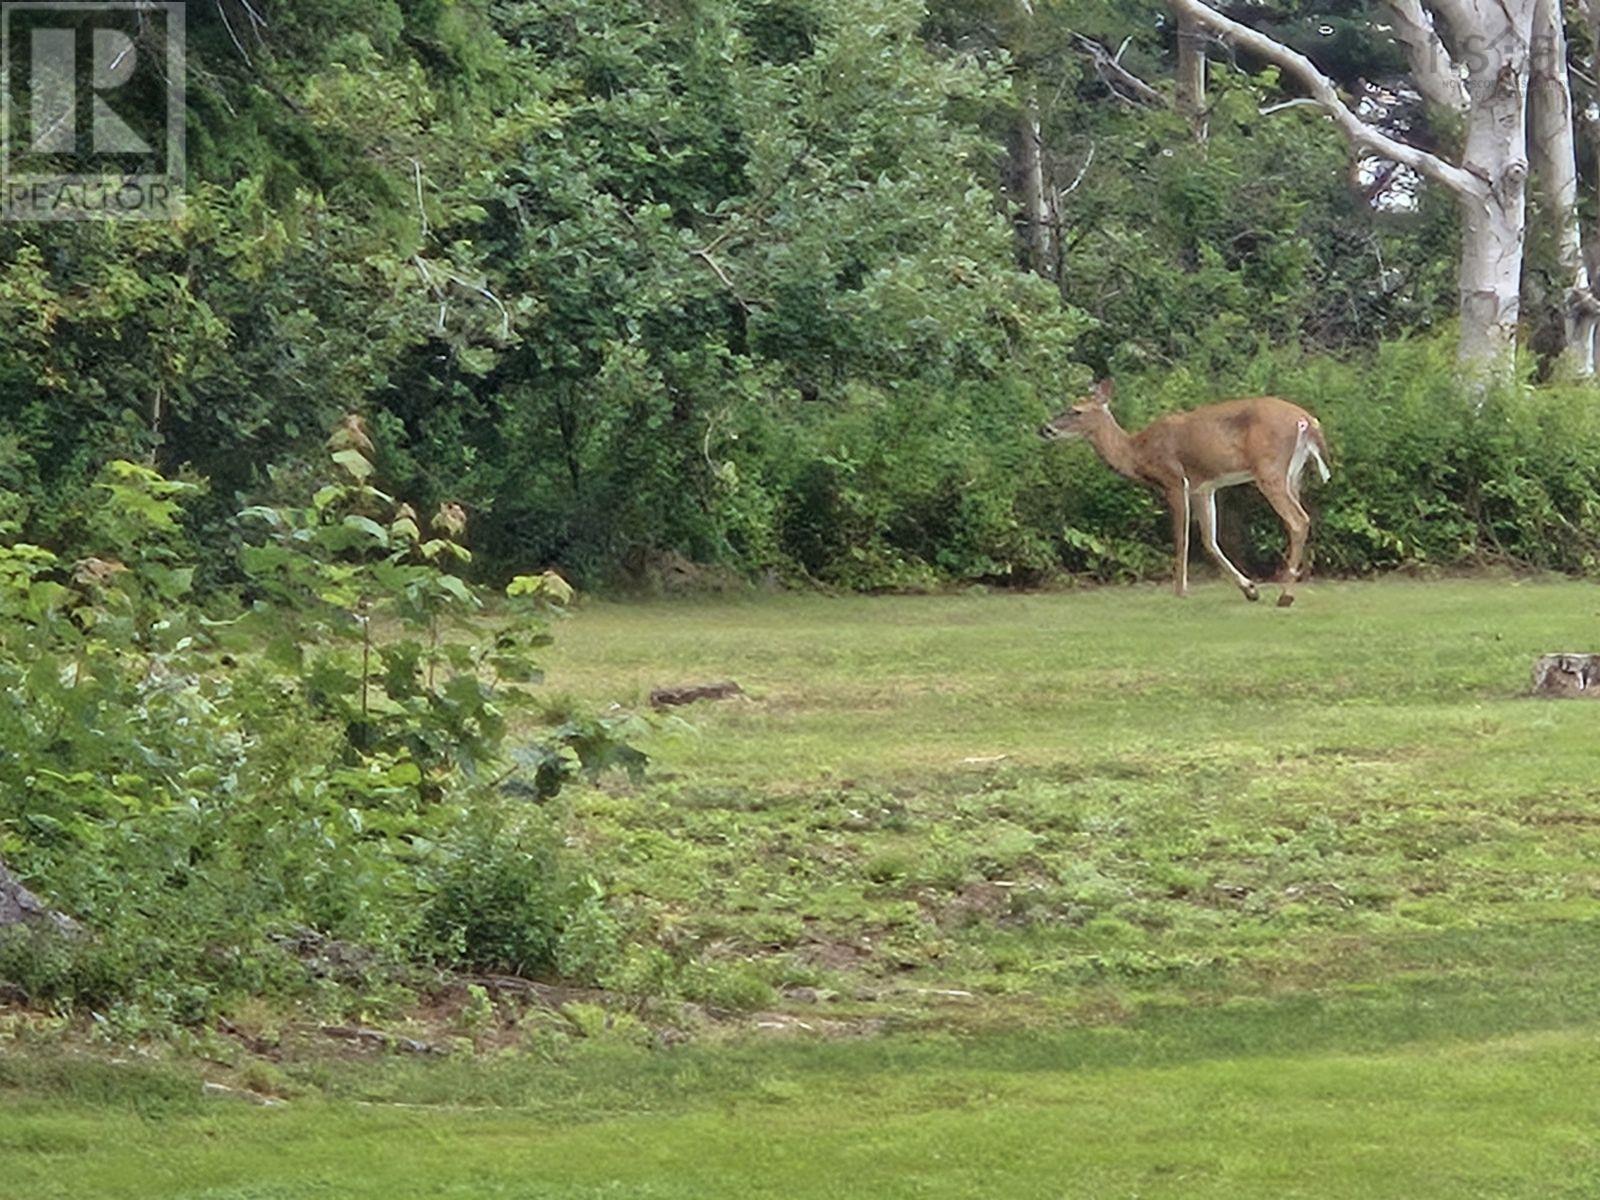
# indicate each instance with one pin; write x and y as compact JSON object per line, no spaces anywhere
{"x":1103,"y":391}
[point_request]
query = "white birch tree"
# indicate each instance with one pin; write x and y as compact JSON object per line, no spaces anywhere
{"x":1552,"y":150}
{"x":1492,"y":39}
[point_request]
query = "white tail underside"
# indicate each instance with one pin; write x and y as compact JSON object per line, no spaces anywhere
{"x":1305,"y":450}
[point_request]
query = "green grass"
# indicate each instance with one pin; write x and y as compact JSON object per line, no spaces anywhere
{"x":1478,"y":1121}
{"x":1243,"y":902}
{"x":1165,"y":795}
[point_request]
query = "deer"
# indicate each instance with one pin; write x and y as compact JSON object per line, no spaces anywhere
{"x":1190,"y":456}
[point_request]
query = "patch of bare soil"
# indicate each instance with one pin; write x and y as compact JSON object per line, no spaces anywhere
{"x":985,"y":902}
{"x":834,"y":954}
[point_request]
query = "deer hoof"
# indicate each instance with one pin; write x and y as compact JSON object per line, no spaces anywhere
{"x":1252,"y":593}
{"x":1286,"y":601}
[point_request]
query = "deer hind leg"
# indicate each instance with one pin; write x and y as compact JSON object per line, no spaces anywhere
{"x":1208,"y":537}
{"x":1178,"y":501}
{"x":1296,"y":524}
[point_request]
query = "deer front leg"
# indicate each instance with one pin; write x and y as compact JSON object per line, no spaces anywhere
{"x":1178,"y":501}
{"x":1208,"y":539}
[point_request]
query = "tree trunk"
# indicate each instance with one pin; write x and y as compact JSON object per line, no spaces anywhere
{"x":1192,"y":74}
{"x":1552,"y":151}
{"x":1591,"y":14}
{"x":1037,"y":211}
{"x":1491,"y":279}
{"x":1567,"y":675}
{"x":1494,"y":220}
{"x":1432,"y":69}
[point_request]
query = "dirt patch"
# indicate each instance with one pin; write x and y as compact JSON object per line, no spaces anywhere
{"x":834,"y":954}
{"x":668,"y":573}
{"x":983,"y":903}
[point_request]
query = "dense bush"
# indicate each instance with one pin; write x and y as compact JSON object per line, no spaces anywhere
{"x":1428,"y":470}
{"x":907,"y":489}
{"x":347,"y":758}
{"x":735,"y":281}
{"x":738,"y":282}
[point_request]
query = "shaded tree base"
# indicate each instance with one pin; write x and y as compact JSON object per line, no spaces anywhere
{"x":19,"y":906}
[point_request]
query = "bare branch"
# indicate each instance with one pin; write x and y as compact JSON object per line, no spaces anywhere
{"x":422,"y":209}
{"x":443,"y":295}
{"x":1082,"y":171}
{"x":705,"y":257}
{"x":222,"y":11}
{"x":1116,"y":76}
{"x":1297,"y":102}
{"x":1323,"y":91}
{"x":1432,"y":68}
{"x":482,"y":290}
{"x":715,"y":243}
{"x":257,"y":21}
{"x":438,"y":292}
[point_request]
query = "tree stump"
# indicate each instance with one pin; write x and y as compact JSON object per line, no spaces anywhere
{"x":1567,"y":676}
{"x":19,"y":906}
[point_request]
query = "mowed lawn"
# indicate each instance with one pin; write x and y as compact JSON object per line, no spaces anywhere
{"x":1086,"y":894}
{"x":1088,"y":798}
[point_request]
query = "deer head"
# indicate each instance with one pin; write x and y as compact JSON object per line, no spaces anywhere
{"x":1084,"y":418}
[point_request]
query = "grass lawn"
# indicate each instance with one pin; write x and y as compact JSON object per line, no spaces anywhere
{"x":1139,"y":898}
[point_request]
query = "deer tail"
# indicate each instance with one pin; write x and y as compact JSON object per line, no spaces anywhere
{"x":1317,"y":445}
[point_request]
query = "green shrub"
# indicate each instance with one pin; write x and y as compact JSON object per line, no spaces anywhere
{"x":219,"y":801}
{"x":502,"y":899}
{"x":912,"y":488}
{"x":1428,"y":471}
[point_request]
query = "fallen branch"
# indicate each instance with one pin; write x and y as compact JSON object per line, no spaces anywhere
{"x":670,"y":697}
{"x":221,"y":1091}
{"x":376,"y":1037}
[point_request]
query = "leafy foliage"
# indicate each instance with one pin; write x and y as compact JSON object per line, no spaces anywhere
{"x":730,"y":281}
{"x":339,"y":758}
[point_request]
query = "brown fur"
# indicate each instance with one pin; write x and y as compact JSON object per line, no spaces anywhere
{"x":1185,"y":455}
